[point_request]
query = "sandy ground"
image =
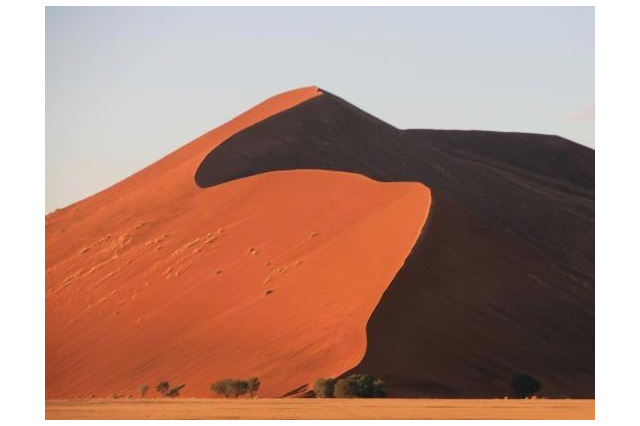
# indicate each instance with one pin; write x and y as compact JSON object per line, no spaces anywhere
{"x":542,"y":409}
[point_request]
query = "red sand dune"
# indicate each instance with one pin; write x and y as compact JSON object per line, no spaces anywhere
{"x":272,"y":276}
{"x":281,"y":254}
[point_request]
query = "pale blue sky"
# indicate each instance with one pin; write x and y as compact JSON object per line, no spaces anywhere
{"x":125,"y":86}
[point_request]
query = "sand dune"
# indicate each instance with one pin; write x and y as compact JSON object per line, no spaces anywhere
{"x":274,"y":276}
{"x":307,"y":238}
{"x":502,"y":279}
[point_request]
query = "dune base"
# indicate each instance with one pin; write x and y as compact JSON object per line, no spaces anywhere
{"x":444,"y":409}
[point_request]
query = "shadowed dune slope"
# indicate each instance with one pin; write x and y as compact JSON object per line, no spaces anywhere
{"x":483,"y":307}
{"x":274,"y":276}
{"x":536,"y":202}
{"x":502,"y":279}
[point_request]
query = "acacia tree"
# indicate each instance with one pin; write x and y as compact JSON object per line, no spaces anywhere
{"x":324,"y":388}
{"x":235,"y":388}
{"x":359,"y":386}
{"x":221,"y":387}
{"x":238,"y":387}
{"x":344,"y":388}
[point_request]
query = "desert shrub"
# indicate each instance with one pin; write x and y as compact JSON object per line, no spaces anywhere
{"x":524,"y":386}
{"x":235,"y":388}
{"x":238,"y":387}
{"x":359,"y":386}
{"x":344,"y":388}
{"x":162,"y":388}
{"x":221,"y":387}
{"x":254,"y":385}
{"x":323,"y":388}
{"x":143,"y":390}
{"x":173,"y":392}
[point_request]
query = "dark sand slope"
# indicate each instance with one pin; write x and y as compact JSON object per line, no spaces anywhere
{"x":536,"y":202}
{"x":474,"y":306}
{"x":502,"y":278}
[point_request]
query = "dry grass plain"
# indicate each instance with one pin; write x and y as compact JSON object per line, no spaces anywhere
{"x":542,"y":409}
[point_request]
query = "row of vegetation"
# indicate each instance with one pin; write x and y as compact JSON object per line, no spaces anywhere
{"x":164,"y":389}
{"x":367,"y":386}
{"x":227,"y":387}
{"x":235,"y":387}
{"x":354,"y":386}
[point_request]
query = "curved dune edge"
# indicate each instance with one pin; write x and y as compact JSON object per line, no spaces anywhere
{"x":174,"y":172}
{"x":156,"y":279}
{"x":507,"y":257}
{"x":183,"y":297}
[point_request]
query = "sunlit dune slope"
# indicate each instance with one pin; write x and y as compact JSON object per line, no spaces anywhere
{"x":272,"y":276}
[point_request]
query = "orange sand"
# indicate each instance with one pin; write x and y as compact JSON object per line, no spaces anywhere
{"x":156,"y":279}
{"x":327,"y":409}
{"x":324,"y":409}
